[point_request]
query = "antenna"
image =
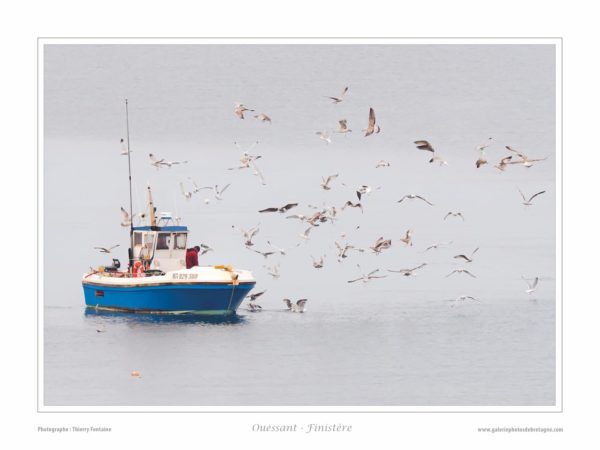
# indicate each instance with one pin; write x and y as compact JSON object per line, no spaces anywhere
{"x":130,"y":194}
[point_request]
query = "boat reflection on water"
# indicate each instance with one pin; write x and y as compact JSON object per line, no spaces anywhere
{"x":166,"y":319}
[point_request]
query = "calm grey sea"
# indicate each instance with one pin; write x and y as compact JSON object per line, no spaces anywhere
{"x":398,"y":340}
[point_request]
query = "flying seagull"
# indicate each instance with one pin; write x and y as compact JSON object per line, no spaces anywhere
{"x":216,"y":191}
{"x":106,"y":250}
{"x":318,"y":263}
{"x":380,"y":245}
{"x":424,"y":145}
{"x":413,"y":196}
{"x":253,"y":297}
{"x":528,"y":202}
{"x":273,"y":271}
{"x":337,"y":100}
{"x":343,"y":127}
{"x":124,"y":150}
{"x":438,"y":245}
{"x":126,"y":219}
{"x":352,"y":205}
{"x":461,"y":271}
{"x":324,"y":135}
{"x":263,"y":117}
{"x":465,"y":257}
{"x":239,"y":109}
{"x":407,"y":272}
{"x":265,"y":254}
{"x":371,"y":127}
{"x":248,"y":235}
{"x":454,"y":214}
{"x":368,"y":277}
{"x":280,"y":250}
{"x":326,"y":181}
{"x":282,"y":209}
{"x":531,"y":287}
{"x":186,"y":194}
{"x":383,"y":163}
{"x":525,"y":160}
{"x":407,"y":239}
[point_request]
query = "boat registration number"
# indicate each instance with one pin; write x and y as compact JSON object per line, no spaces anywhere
{"x":185,"y":276}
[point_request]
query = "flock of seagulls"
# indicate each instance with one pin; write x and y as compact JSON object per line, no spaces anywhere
{"x":331,"y":213}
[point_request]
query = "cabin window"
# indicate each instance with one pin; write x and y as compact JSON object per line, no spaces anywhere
{"x":137,"y":238}
{"x":180,"y":241}
{"x":164,"y":241}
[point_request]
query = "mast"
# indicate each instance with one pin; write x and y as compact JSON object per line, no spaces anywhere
{"x":151,"y":208}
{"x":130,"y":193}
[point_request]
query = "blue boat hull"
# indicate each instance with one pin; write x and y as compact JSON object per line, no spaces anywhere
{"x":192,"y":298}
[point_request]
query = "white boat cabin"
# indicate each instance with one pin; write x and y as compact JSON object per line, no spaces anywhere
{"x":162,"y":247}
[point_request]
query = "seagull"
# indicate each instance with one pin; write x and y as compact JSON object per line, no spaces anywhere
{"x":239,"y":110}
{"x":424,"y":145}
{"x":462,"y":298}
{"x":364,"y":189}
{"x":413,"y":196}
{"x":280,"y":250}
{"x":454,"y":214}
{"x":484,"y":145}
{"x":407,"y":272}
{"x":186,"y":194}
{"x":503,"y":163}
{"x":340,"y":98}
{"x":343,"y":127}
{"x":126,"y":219}
{"x":257,"y":172}
{"x":343,"y":250}
{"x":265,"y":254}
{"x":305,"y":234}
{"x":248,"y":235}
{"x":461,"y":271}
{"x":531,"y":286}
{"x":282,"y":209}
{"x":467,"y":258}
{"x":318,"y":264}
{"x":205,"y":249}
{"x":368,"y":277}
{"x":371,"y":127}
{"x":383,"y":163}
{"x":442,"y":161}
{"x":324,"y":135}
{"x":436,"y":246}
{"x":380,"y":245}
{"x":481,"y":160}
{"x":528,"y":202}
{"x":407,"y":239}
{"x":525,"y":160}
{"x":263,"y":117}
{"x":252,"y":307}
{"x":299,"y":306}
{"x":124,"y":149}
{"x":253,"y":297}
{"x":273,"y":271}
{"x":218,"y":193}
{"x":161,"y":162}
{"x":352,"y":205}
{"x":301,"y":217}
{"x":106,"y":250}
{"x":326,"y":181}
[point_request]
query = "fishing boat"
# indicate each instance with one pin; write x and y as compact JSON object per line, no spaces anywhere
{"x":157,"y":280}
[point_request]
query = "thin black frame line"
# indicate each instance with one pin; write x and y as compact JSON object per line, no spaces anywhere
{"x":561,"y":410}
{"x":228,"y":38}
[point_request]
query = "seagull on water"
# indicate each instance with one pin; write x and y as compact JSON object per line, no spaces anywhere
{"x":408,"y":272}
{"x":252,"y":307}
{"x":467,"y":258}
{"x":338,"y":99}
{"x":371,"y":127}
{"x":413,"y":196}
{"x":527,"y":202}
{"x":298,"y":307}
{"x":106,"y":250}
{"x":383,"y":163}
{"x":531,"y":286}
